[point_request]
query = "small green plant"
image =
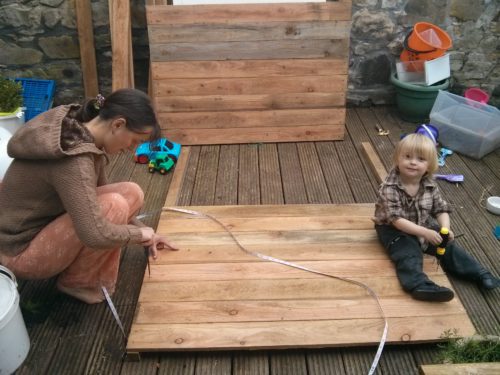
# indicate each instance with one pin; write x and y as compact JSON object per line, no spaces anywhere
{"x":11,"y":95}
{"x":472,"y":349}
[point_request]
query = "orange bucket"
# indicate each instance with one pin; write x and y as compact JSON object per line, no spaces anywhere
{"x":425,"y":42}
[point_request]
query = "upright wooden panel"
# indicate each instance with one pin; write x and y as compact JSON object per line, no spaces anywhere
{"x":238,"y":73}
{"x":212,"y":295}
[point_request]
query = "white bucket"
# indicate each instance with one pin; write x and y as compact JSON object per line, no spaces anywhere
{"x":13,"y":121}
{"x":14,"y":339}
{"x":8,"y":126}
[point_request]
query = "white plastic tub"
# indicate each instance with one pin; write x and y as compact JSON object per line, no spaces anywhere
{"x":14,"y":339}
{"x":424,"y":72}
{"x":466,"y":126}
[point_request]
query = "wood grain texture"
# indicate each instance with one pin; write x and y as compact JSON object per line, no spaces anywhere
{"x":213,"y":295}
{"x":485,"y":368}
{"x":87,"y":50}
{"x":192,"y":14}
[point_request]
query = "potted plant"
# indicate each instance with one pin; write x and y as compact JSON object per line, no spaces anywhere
{"x":11,"y":101}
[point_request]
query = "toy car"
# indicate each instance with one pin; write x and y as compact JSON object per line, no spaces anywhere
{"x":160,"y":148}
{"x":163,"y":165}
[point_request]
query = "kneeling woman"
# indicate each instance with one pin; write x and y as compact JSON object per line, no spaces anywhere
{"x":59,"y":214}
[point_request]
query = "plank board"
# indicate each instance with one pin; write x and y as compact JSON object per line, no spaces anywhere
{"x":211,"y":294}
{"x":229,"y":74}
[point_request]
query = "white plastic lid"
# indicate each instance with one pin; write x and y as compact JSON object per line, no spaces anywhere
{"x":8,"y":299}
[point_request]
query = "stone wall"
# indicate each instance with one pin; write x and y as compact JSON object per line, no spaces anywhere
{"x":38,"y":38}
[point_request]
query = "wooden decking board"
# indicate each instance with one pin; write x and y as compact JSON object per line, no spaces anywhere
{"x":278,"y":322}
{"x":325,"y":362}
{"x":226,"y":190}
{"x":293,"y":182}
{"x":248,"y":181}
{"x":175,"y":363}
{"x":292,"y":363}
{"x":177,"y":177}
{"x":358,"y":134}
{"x":361,"y":188}
{"x":271,"y":187}
{"x":250,"y":363}
{"x":314,"y":180}
{"x":337,"y":184}
{"x":204,"y":187}
{"x":186,"y":190}
{"x":398,"y":359}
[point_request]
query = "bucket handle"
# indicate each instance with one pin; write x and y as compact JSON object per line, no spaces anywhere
{"x":409,"y":49}
{"x":8,"y":273}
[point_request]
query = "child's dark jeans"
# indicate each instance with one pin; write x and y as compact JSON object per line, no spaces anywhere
{"x":405,"y":251}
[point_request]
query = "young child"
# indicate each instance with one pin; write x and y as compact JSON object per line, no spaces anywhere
{"x":409,"y":213}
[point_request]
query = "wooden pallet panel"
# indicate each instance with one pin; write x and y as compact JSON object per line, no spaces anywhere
{"x":212,"y":295}
{"x":224,"y":74}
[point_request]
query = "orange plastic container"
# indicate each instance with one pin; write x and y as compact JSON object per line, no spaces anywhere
{"x":425,"y":42}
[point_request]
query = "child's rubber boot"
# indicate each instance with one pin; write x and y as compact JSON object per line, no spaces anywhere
{"x":432,"y":292}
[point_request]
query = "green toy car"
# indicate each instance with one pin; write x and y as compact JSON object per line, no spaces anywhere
{"x":163,"y":165}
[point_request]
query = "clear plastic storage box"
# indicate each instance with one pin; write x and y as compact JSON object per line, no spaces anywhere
{"x":466,"y":126}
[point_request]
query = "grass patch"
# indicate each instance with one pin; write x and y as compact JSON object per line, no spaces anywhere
{"x":472,"y":349}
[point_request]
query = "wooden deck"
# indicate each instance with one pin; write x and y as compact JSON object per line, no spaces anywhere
{"x":70,"y":337}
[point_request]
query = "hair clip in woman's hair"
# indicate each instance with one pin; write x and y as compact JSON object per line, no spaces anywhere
{"x":99,"y":101}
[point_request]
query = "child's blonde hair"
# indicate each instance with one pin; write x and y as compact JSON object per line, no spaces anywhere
{"x":420,"y":145}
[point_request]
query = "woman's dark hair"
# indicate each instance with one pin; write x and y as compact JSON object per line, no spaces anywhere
{"x":131,"y":104}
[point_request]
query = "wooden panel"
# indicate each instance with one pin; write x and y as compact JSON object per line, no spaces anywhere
{"x":196,"y":14}
{"x":485,"y":368}
{"x":282,"y":49}
{"x":249,"y":102}
{"x":246,"y":58}
{"x":269,"y":134}
{"x":252,"y":119}
{"x":252,"y":31}
{"x":249,"y":86}
{"x":247,"y":68}
{"x":212,"y":295}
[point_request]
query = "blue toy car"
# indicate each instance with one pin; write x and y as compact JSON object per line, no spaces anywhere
{"x":160,"y":148}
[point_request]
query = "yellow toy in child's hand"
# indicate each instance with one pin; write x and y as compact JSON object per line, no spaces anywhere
{"x":445,"y":235}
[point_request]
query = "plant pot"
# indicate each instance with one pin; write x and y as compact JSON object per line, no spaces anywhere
{"x":415,"y":101}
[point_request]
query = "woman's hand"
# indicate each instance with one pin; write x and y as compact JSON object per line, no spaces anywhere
{"x":155,"y":242}
{"x":160,"y":243}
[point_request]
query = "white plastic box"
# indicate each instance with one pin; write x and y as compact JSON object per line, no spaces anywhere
{"x":466,"y":126}
{"x":424,"y":72}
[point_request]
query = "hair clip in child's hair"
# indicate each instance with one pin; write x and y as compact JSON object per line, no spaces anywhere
{"x":429,"y":131}
{"x":99,"y":101}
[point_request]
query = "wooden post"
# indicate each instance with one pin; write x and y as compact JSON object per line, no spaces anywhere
{"x":121,"y":44}
{"x":87,"y":49}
